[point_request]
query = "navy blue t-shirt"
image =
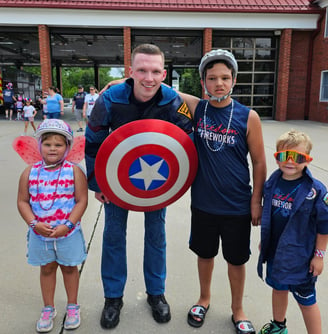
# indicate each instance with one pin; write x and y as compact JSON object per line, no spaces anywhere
{"x":222,"y":184}
{"x":281,"y":206}
{"x":79,"y":99}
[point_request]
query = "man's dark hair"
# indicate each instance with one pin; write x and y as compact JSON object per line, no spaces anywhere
{"x":149,"y":49}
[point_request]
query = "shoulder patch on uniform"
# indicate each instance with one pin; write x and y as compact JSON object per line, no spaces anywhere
{"x":325,"y":199}
{"x":312,"y":194}
{"x":184,"y":110}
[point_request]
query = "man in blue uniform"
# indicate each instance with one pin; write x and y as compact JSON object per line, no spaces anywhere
{"x":142,"y":96}
{"x":77,"y":106}
{"x":9,"y":100}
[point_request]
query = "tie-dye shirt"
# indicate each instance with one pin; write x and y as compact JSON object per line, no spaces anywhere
{"x":52,"y":195}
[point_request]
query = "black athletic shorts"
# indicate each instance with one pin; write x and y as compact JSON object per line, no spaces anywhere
{"x":233,"y":230}
{"x":8,"y":106}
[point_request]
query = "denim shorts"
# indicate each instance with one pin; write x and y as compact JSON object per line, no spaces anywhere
{"x":28,"y":119}
{"x":70,"y":251}
{"x":305,"y":293}
{"x":52,"y":115}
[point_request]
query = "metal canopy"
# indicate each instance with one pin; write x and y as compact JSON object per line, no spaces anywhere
{"x":90,"y":47}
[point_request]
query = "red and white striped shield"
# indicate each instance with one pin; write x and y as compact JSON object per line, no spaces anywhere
{"x":146,"y":165}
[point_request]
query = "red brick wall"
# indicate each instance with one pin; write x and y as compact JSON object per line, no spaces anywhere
{"x":318,"y":111}
{"x":207,"y":46}
{"x":45,"y":57}
{"x":296,"y":105}
{"x":283,"y":75}
{"x":127,"y":50}
{"x":207,"y":40}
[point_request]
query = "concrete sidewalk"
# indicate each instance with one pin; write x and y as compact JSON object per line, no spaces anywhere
{"x":20,"y":296}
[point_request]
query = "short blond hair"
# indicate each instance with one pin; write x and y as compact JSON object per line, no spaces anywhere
{"x":294,"y":138}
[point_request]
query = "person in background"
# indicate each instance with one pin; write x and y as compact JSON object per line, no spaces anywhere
{"x":142,"y":96}
{"x":77,"y":106}
{"x":52,"y":197}
{"x":19,"y":107}
{"x":9,"y":100}
{"x":294,"y":233}
{"x":44,"y":106}
{"x":29,"y":114}
{"x":89,"y":102}
{"x":54,"y":102}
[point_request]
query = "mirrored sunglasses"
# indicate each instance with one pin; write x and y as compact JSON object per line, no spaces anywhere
{"x":297,"y":157}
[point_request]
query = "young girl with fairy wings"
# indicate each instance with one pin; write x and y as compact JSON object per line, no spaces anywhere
{"x":52,"y":198}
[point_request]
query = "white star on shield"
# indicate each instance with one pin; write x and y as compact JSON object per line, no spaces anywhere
{"x":149,"y":173}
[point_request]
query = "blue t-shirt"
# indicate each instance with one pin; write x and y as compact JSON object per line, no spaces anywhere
{"x":53,"y":105}
{"x":8,"y":95}
{"x":222,"y":184}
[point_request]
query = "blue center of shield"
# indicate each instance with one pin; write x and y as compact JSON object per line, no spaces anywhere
{"x":148,"y":172}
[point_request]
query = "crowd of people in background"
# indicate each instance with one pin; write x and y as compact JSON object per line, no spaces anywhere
{"x":50,"y":104}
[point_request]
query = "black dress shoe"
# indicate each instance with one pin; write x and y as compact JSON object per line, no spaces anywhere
{"x":160,"y":308}
{"x":110,"y":316}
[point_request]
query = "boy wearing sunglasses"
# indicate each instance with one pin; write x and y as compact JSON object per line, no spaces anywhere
{"x":294,"y":233}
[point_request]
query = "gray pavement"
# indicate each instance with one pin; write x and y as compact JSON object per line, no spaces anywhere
{"x":20,"y":297}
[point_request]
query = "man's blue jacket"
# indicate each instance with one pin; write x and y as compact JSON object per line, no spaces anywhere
{"x":115,"y":108}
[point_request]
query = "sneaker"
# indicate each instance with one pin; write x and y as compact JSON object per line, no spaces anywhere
{"x":273,"y":328}
{"x":73,"y":319}
{"x":79,"y":130}
{"x":45,"y":323}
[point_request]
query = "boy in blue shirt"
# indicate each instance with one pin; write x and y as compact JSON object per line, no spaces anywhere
{"x":294,"y":233}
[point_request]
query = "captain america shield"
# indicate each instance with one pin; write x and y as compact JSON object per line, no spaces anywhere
{"x":146,"y":165}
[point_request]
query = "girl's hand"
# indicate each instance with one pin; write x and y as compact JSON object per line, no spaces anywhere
{"x":43,"y":229}
{"x":59,"y":231}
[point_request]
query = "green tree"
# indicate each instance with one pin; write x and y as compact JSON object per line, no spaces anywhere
{"x":74,"y":76}
{"x":190,"y":81}
{"x":33,"y":69}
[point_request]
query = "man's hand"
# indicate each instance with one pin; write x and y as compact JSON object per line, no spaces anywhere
{"x":101,"y":198}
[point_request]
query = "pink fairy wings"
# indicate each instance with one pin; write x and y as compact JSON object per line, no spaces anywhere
{"x":27,"y":148}
{"x":76,"y":154}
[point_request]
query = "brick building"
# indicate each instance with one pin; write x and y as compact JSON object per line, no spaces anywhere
{"x":281,"y":46}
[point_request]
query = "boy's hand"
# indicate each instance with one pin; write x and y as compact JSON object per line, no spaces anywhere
{"x":316,"y":265}
{"x":112,"y":83}
{"x":256,"y":212}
